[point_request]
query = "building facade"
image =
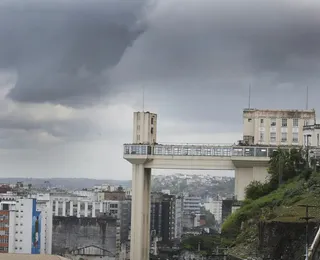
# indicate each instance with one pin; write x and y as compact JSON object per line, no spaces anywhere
{"x":276,"y":127}
{"x":311,"y":135}
{"x":191,"y":205}
{"x":26,"y":226}
{"x":215,"y":208}
{"x":163,"y":216}
{"x":144,"y":128}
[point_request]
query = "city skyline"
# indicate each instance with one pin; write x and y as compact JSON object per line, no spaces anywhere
{"x":68,"y":91}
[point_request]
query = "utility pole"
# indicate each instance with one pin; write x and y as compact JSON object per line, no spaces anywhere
{"x":249,"y":97}
{"x":307,"y":218}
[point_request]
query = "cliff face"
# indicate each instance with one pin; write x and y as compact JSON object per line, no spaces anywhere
{"x":286,"y":241}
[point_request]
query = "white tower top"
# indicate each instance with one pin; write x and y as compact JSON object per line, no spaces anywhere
{"x":144,"y":128}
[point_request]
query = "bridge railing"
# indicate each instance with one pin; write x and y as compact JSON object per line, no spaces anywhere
{"x":198,"y":150}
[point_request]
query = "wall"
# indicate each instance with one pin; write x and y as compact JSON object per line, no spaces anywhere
{"x":72,"y":232}
{"x":284,"y":241}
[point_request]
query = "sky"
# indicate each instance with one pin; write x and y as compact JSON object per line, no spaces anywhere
{"x":72,"y":74}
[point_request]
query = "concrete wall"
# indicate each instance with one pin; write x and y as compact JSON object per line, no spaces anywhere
{"x":72,"y":232}
{"x":243,"y":177}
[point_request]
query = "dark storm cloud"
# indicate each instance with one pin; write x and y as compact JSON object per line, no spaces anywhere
{"x":62,"y":49}
{"x":196,"y":57}
{"x":204,"y":55}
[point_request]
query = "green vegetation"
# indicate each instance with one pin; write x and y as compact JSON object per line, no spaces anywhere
{"x":291,"y":183}
{"x":206,"y":243}
{"x":209,"y":217}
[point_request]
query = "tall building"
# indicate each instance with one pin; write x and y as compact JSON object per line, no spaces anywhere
{"x":26,"y":226}
{"x":178,"y":218}
{"x":163,"y":216}
{"x":276,"y":127}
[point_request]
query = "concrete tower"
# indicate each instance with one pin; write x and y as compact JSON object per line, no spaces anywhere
{"x":144,"y":132}
{"x":144,"y":128}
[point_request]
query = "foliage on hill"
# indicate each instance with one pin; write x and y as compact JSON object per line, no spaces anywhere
{"x":206,"y":243}
{"x":276,"y":200}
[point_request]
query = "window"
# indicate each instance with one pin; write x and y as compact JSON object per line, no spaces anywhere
{"x":261,"y":137}
{"x":261,"y":121}
{"x":318,"y":139}
{"x":284,"y":122}
{"x":273,"y":137}
{"x":283,"y":137}
{"x":152,"y":120}
{"x":273,"y":122}
{"x":138,"y":138}
{"x":249,"y":119}
{"x":295,"y":122}
{"x":138,"y":127}
{"x":151,"y":130}
{"x":295,"y":137}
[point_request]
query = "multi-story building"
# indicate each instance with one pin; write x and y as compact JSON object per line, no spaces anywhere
{"x":163,"y":216}
{"x":178,"y":218}
{"x":276,"y":127}
{"x":191,"y":205}
{"x":311,"y":135}
{"x":215,"y":207}
{"x":26,"y":226}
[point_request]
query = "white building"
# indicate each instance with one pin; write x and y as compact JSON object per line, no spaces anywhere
{"x":178,"y":217}
{"x":276,"y":127}
{"x":311,"y":135}
{"x":29,"y":225}
{"x":191,"y":205}
{"x":215,"y":208}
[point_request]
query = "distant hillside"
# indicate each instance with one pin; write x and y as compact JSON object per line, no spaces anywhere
{"x":67,"y":183}
{"x":197,"y":185}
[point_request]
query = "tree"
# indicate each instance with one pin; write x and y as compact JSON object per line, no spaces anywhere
{"x":285,"y":164}
{"x":257,"y":189}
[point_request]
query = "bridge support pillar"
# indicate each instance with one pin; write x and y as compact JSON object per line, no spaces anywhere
{"x":140,"y":213}
{"x":243,"y":177}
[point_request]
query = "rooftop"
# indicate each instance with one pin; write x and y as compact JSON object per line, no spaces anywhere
{"x":30,"y":257}
{"x":279,"y":110}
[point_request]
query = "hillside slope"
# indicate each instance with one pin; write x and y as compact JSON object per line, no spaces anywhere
{"x":270,"y":226}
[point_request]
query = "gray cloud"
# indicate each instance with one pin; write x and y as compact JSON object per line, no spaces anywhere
{"x":196,"y":59}
{"x":62,"y":49}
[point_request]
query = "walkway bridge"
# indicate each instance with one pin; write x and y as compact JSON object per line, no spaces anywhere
{"x":198,"y":156}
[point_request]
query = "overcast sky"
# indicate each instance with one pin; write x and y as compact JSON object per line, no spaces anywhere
{"x":72,"y":72}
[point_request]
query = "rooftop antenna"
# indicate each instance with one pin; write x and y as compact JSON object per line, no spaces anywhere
{"x":142,"y":98}
{"x":249,"y":96}
{"x":307,"y":98}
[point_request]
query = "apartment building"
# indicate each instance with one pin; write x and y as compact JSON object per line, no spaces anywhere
{"x":276,"y":127}
{"x":163,"y":216}
{"x":25,"y":227}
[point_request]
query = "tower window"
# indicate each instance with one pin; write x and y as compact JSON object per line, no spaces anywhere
{"x":152,"y":120}
{"x":151,"y":130}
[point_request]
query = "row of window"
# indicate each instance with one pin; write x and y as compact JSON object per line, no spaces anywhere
{"x":4,"y":240}
{"x":284,"y":137}
{"x":3,"y":249}
{"x":284,"y":122}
